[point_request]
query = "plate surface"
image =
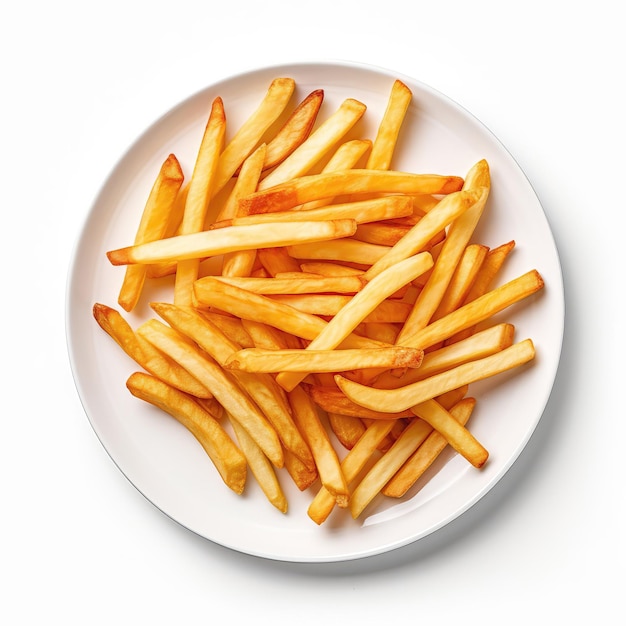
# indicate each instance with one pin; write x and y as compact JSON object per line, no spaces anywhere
{"x":165,"y":463}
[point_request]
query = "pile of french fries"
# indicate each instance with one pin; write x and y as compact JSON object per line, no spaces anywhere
{"x":328,"y":313}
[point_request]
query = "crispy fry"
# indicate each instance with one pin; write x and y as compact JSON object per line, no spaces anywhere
{"x":261,"y":467}
{"x":271,"y":286}
{"x":220,"y":448}
{"x":144,"y":353}
{"x":394,"y":400}
{"x":319,"y":142}
{"x":308,"y":361}
{"x":344,"y":251}
{"x":297,"y":191}
{"x":251,"y":131}
{"x":426,"y":454}
{"x":326,"y":460}
{"x":224,"y":240}
{"x":295,"y":130}
{"x":153,"y":225}
{"x":198,"y":197}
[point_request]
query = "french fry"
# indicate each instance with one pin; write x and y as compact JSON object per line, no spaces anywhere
{"x":361,"y":305}
{"x":328,"y":268}
{"x":272,"y":286}
{"x":343,"y":251}
{"x":303,"y":189}
{"x":220,"y":448}
{"x":326,"y":459}
{"x":395,"y":400}
{"x":223,"y":387}
{"x":319,"y":142}
{"x":198,"y":197}
{"x":302,"y":476}
{"x":346,"y":428}
{"x":261,"y":468}
{"x":144,"y":353}
{"x":225,"y":240}
{"x":246,"y":138}
{"x":313,"y":361}
{"x":389,"y":129}
{"x":361,"y":211}
{"x":277,"y":261}
{"x":295,"y":130}
{"x":152,"y":226}
{"x":426,"y":454}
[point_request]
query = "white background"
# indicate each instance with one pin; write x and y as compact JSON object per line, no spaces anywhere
{"x":80,"y":83}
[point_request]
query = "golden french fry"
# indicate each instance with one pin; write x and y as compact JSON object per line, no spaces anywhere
{"x":346,"y":428}
{"x":252,"y":130}
{"x":323,"y":503}
{"x":361,"y":305}
{"x":271,"y":286}
{"x":328,"y":268}
{"x":295,"y":130}
{"x":221,"y":384}
{"x":302,"y":476}
{"x":361,"y":211}
{"x":395,"y":400}
{"x":261,"y":467}
{"x":144,"y":353}
{"x":224,"y":240}
{"x":297,"y":191}
{"x":199,"y":195}
{"x":319,"y":142}
{"x":426,"y":454}
{"x":326,"y":460}
{"x":376,"y":478}
{"x":152,"y":226}
{"x":220,"y":448}
{"x":481,"y":344}
{"x":476,"y":311}
{"x":308,"y":361}
{"x":381,"y":234}
{"x":343,"y":251}
{"x":389,"y":129}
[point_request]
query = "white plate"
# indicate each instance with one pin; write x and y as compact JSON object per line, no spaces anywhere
{"x":164,"y":461}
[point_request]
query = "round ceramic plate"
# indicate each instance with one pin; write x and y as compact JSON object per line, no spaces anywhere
{"x":165,"y":462}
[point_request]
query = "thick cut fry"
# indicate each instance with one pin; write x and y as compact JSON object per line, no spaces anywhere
{"x":152,"y":226}
{"x":262,"y":388}
{"x":199,"y":195}
{"x":261,"y":467}
{"x":307,"y":361}
{"x":252,"y":130}
{"x":389,"y":128}
{"x":327,"y":185}
{"x":418,"y":238}
{"x":225,"y":389}
{"x":272,"y":286}
{"x":361,"y":305}
{"x":394,"y":400}
{"x":144,"y":353}
{"x":455,"y":433}
{"x":476,"y":311}
{"x":426,"y":454}
{"x":361,"y":211}
{"x":240,"y":263}
{"x":326,"y":459}
{"x":482,"y":344}
{"x":224,"y":240}
{"x":319,"y":142}
{"x":388,"y":311}
{"x":295,"y":130}
{"x":323,"y":503}
{"x":226,"y":457}
{"x":376,"y":478}
{"x":344,"y":251}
